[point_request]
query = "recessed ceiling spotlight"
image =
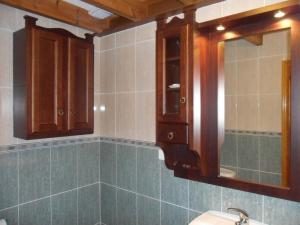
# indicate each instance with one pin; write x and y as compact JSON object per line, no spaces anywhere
{"x":220,"y":28}
{"x":279,"y":14}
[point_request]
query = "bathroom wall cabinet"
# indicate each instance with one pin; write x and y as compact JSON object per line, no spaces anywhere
{"x":190,"y":111}
{"x":53,"y":82}
{"x":178,"y":91}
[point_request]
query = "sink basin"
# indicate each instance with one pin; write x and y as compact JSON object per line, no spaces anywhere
{"x":219,"y":218}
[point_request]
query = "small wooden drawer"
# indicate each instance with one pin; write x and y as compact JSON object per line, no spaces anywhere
{"x":172,"y":133}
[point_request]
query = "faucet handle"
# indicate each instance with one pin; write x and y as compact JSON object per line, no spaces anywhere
{"x":244,"y":216}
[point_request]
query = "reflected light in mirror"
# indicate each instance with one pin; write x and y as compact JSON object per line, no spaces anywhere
{"x":102,"y":108}
{"x":279,"y":14}
{"x":220,"y":27}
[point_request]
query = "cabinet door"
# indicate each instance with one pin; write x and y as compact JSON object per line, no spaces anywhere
{"x":172,"y":75}
{"x":45,"y":96}
{"x":80,"y":86}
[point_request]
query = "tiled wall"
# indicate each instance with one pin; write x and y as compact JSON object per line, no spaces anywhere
{"x":253,"y":87}
{"x":85,"y":181}
{"x":253,"y":156}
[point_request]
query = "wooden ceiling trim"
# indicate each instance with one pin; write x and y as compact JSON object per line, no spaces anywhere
{"x":121,"y":8}
{"x":62,"y":11}
{"x":157,"y":9}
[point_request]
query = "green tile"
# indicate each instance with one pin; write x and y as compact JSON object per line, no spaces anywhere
{"x":248,"y":175}
{"x":126,"y":208}
{"x":126,"y":167}
{"x":148,"y":172}
{"x":88,"y":205}
{"x":108,"y":205}
{"x":173,"y":215}
{"x":193,"y":215}
{"x":9,"y":179}
{"x":63,"y":168}
{"x":34,"y":174}
{"x":64,"y":208}
{"x":148,"y":211}
{"x":248,"y":151}
{"x":35,"y":213}
{"x":173,"y":189}
{"x":270,"y":154}
{"x":229,"y":150}
{"x":252,"y":203}
{"x":281,"y":212}
{"x":88,"y":163}
{"x":108,"y":157}
{"x":204,"y":197}
{"x":270,"y":179}
{"x":10,"y":215}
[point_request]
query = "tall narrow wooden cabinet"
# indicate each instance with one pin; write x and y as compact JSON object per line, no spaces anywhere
{"x":53,"y":82}
{"x":178,"y":99}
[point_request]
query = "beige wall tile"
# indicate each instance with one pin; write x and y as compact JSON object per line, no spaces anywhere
{"x":6,"y":58}
{"x":125,"y":37}
{"x":276,"y":43}
{"x":237,"y":6}
{"x":247,"y":113}
{"x":230,"y":51}
{"x":145,"y":66}
{"x":230,"y":113}
{"x":97,"y":43}
{"x":145,"y":116}
{"x":246,"y":50}
{"x":107,"y":71}
{"x":97,"y":114}
{"x":247,"y":77}
{"x":6,"y":116}
{"x":125,"y":71}
{"x":125,"y":116}
{"x":270,"y":75}
{"x":108,"y":117}
{"x":108,"y":42}
{"x":97,"y":72}
{"x":205,"y":13}
{"x":7,"y":17}
{"x":230,"y":75}
{"x":270,"y":113}
{"x":146,"y":32}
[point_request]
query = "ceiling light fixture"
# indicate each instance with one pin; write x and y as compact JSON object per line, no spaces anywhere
{"x":220,"y":28}
{"x":279,"y":14}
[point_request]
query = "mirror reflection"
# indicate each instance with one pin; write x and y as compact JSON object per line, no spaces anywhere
{"x":257,"y":99}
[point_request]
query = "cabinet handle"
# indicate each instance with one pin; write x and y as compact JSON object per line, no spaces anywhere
{"x":60,"y":112}
{"x":182,"y":100}
{"x":171,"y":135}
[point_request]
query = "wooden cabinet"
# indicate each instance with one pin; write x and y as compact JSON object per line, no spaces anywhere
{"x":178,"y":109}
{"x":53,"y":82}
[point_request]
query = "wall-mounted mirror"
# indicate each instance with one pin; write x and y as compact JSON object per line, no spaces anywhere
{"x":256,"y":140}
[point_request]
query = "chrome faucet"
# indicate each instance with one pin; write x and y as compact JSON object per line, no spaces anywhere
{"x":244,"y":217}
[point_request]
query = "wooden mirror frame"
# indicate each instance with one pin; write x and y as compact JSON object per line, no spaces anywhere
{"x":252,"y":22}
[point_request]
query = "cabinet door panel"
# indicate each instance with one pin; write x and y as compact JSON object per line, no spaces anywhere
{"x":47,"y":72}
{"x":172,"y":75}
{"x":81,"y":86}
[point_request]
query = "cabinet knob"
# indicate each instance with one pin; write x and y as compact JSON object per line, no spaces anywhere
{"x":182,"y":100}
{"x":171,"y":135}
{"x":60,"y":112}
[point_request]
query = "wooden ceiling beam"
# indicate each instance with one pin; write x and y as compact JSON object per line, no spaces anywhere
{"x":186,"y":2}
{"x":121,"y":8}
{"x":62,"y":11}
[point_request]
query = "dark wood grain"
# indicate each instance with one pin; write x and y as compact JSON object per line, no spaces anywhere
{"x":41,"y":81}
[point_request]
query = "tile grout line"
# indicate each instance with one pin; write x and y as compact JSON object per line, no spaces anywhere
{"x":50,"y":184}
{"x":18,"y":163}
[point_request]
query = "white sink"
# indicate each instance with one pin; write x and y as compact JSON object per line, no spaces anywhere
{"x":219,"y":218}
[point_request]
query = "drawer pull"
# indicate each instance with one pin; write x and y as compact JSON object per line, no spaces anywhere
{"x":171,"y":135}
{"x":182,"y":100}
{"x":60,"y":112}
